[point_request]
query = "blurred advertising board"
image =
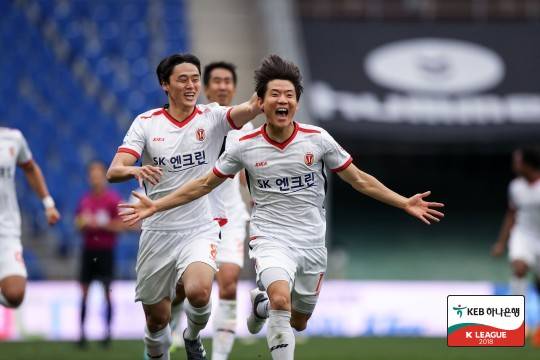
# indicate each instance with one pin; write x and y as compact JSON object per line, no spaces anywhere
{"x":346,"y":309}
{"x":424,"y":82}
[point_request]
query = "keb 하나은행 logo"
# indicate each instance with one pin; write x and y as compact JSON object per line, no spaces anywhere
{"x":486,"y":320}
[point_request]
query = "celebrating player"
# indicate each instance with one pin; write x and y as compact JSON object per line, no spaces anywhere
{"x":521,"y":225}
{"x":285,"y":163}
{"x":178,"y":143}
{"x":15,"y":151}
{"x":228,"y":208}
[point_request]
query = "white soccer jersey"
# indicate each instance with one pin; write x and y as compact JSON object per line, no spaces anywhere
{"x":287,"y":182}
{"x":226,"y":200}
{"x":525,"y":199}
{"x":13,"y":151}
{"x":184,"y":150}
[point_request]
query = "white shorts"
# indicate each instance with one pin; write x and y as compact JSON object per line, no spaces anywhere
{"x":524,"y":247}
{"x":231,"y":246}
{"x":11,"y":259}
{"x":164,"y":256}
{"x":305,"y":267}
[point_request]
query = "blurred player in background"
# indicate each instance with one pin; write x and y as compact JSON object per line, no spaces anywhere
{"x":285,"y":163}
{"x":97,"y":219}
{"x":228,"y":208}
{"x":178,"y":143}
{"x":521,"y":226}
{"x":14,"y":151}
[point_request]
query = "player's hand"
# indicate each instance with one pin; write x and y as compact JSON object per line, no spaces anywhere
{"x":52,"y":215}
{"x":423,"y":210}
{"x":132,"y":213}
{"x":152,"y":174}
{"x":255,"y":109}
{"x":498,"y":249}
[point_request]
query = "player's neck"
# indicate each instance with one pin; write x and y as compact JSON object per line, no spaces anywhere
{"x":532,"y":177}
{"x":279,"y":134}
{"x":179,"y":113}
{"x":98,"y":190}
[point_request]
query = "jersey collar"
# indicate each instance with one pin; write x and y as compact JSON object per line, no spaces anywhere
{"x":280,"y":145}
{"x":184,"y":122}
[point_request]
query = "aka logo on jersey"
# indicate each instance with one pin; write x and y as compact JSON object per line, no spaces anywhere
{"x":308,"y":159}
{"x":200,"y":134}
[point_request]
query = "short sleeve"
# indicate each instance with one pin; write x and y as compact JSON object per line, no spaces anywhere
{"x":24,"y":154}
{"x":229,"y":163}
{"x":222,"y":115}
{"x":135,"y":140}
{"x":336,"y":158}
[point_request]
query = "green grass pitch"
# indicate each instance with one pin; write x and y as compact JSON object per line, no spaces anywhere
{"x":312,"y":349}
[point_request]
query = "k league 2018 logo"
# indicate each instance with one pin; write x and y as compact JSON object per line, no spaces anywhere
{"x":487,"y":320}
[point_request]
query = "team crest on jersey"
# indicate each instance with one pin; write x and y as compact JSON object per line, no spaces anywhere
{"x":200,"y":134}
{"x":308,"y":159}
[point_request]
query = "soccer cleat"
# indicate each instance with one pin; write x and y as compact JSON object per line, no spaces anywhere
{"x":194,"y":349}
{"x":254,"y":322}
{"x":177,"y":341}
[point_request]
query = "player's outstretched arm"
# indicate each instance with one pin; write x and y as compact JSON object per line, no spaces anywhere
{"x":245,"y":112}
{"x":181,"y":196}
{"x":122,"y":168}
{"x":37,"y":183}
{"x":370,"y":186}
{"x":500,"y":245}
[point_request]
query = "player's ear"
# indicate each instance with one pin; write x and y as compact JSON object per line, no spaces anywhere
{"x":165,"y":86}
{"x":260,"y":104}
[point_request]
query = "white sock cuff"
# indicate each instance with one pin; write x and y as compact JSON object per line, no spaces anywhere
{"x":279,"y":318}
{"x":206,"y":309}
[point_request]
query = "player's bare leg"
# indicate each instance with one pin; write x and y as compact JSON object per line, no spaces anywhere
{"x":12,"y":290}
{"x":225,"y":316}
{"x":279,"y":335}
{"x":518,"y":282}
{"x":157,"y":339}
{"x":197,"y":280}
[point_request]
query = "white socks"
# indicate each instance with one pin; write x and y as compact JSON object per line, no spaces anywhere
{"x":224,"y":325}
{"x":518,"y":286}
{"x":156,"y":345}
{"x":197,"y":318}
{"x":280,"y":335}
{"x":176,"y":314}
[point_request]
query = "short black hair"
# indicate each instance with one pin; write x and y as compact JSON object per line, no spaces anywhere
{"x":530,"y":155}
{"x":274,"y":67}
{"x":218,"y":65}
{"x":166,"y":66}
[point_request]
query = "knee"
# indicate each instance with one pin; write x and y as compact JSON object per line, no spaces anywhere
{"x":198,"y":296}
{"x":14,"y":297}
{"x":280,"y":302}
{"x":299,"y":324}
{"x":156,"y":322}
{"x":520,"y":269}
{"x":227,"y":290}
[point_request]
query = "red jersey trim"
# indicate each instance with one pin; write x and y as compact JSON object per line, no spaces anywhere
{"x":230,"y":120}
{"x":26,"y":164}
{"x":344,"y":166}
{"x":221,"y":221}
{"x":129,"y":151}
{"x":250,"y":136}
{"x":184,"y":122}
{"x":152,"y":115}
{"x":220,"y":174}
{"x":280,"y":145}
{"x":309,"y":131}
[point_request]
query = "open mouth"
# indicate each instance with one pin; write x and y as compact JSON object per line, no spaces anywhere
{"x":189,"y":96}
{"x":282,"y":112}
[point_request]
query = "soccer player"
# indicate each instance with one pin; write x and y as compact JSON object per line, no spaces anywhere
{"x":521,"y":226}
{"x":228,"y":208}
{"x":178,"y":143}
{"x":97,"y":219}
{"x":15,"y":151}
{"x":285,"y":163}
